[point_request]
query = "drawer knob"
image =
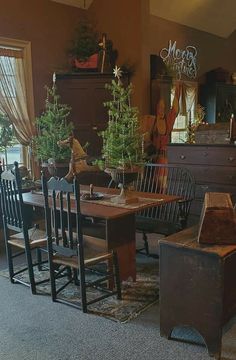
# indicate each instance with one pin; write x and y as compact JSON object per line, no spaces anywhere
{"x":95,"y":127}
{"x":204,"y":187}
{"x":182,"y":157}
{"x":231,"y":158}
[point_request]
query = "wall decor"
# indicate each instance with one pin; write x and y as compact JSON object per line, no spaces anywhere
{"x":180,"y":61}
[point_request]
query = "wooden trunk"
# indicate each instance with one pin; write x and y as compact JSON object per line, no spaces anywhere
{"x":197,"y":287}
{"x":218,"y":220}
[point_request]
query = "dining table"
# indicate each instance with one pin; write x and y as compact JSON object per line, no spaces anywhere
{"x":119,"y":219}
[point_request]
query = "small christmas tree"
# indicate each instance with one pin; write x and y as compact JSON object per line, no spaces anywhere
{"x":122,"y":140}
{"x":52,"y":127}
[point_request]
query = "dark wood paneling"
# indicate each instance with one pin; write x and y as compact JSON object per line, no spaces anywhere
{"x":86,"y":94}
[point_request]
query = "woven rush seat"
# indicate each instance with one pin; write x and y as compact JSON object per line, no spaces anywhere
{"x":74,"y":263}
{"x":37,"y":238}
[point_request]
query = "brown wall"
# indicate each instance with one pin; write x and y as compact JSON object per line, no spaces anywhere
{"x":49,"y":26}
{"x":213,"y":51}
{"x":121,"y":21}
{"x":136,"y":35}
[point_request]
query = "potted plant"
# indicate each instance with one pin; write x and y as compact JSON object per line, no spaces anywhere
{"x":85,"y":46}
{"x":53,"y":126}
{"x":123,"y":147}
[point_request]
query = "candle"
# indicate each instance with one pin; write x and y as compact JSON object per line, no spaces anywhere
{"x":54,"y":78}
{"x":231,"y":126}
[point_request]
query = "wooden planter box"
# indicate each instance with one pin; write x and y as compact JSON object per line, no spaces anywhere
{"x":90,"y":63}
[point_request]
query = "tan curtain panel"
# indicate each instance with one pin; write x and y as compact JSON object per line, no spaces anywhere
{"x":187,"y":97}
{"x":13,"y":96}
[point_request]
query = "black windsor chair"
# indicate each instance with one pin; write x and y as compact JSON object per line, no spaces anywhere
{"x":18,"y":233}
{"x":73,"y":256}
{"x":171,"y":217}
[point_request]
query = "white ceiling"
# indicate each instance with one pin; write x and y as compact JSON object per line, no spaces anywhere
{"x":216,"y":17}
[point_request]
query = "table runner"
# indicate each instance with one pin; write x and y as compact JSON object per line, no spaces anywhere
{"x":106,"y":200}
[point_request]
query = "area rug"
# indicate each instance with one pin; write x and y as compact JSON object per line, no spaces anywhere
{"x":136,"y":296}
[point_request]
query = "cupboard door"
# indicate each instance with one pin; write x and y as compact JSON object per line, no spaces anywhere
{"x":219,"y":101}
{"x":86,"y":96}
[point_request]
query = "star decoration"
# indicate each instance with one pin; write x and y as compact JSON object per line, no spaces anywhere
{"x":117,"y":72}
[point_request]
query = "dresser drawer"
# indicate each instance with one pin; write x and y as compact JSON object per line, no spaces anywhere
{"x":201,"y":189}
{"x":196,"y":207}
{"x":214,"y":174}
{"x":224,"y":156}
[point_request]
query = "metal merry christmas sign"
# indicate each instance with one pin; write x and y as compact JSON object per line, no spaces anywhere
{"x":181,"y":61}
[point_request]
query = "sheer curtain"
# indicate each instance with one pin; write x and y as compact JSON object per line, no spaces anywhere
{"x":188,"y":97}
{"x":187,"y":105}
{"x":13,"y":94}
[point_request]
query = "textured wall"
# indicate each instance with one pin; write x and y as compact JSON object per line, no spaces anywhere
{"x":122,"y":22}
{"x":213,"y":51}
{"x":136,"y":35}
{"x":49,"y":26}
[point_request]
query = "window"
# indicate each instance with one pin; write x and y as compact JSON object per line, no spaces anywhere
{"x":16,"y":99}
{"x":10,"y":149}
{"x":187,"y":111}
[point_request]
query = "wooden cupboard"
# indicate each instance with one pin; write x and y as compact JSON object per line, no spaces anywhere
{"x":85,"y":93}
{"x":219,"y":101}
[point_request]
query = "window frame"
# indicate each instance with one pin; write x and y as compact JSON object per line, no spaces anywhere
{"x":25,"y":46}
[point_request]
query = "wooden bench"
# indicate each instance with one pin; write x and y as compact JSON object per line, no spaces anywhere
{"x":197,"y":286}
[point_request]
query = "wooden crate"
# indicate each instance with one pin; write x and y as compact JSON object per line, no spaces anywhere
{"x":218,"y":220}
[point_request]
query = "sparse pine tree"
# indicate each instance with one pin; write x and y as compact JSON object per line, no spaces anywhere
{"x":122,"y":139}
{"x":52,"y":127}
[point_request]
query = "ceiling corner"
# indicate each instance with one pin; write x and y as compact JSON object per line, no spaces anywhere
{"x":82,"y":4}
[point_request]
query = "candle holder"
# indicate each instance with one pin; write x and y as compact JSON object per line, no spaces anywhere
{"x":122,"y":178}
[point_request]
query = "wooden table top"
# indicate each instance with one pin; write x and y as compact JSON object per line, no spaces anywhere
{"x":95,"y":209}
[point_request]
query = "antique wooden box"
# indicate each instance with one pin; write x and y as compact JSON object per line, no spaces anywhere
{"x":218,"y":220}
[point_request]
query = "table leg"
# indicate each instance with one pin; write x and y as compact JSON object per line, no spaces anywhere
{"x":120,"y":236}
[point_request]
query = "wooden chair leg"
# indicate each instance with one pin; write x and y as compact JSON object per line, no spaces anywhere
{"x":39,"y":259}
{"x":117,"y":275}
{"x":31,"y":272}
{"x":76,"y":279}
{"x":83,"y":294}
{"x":10,"y":262}
{"x":146,"y":246}
{"x":53,"y":282}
